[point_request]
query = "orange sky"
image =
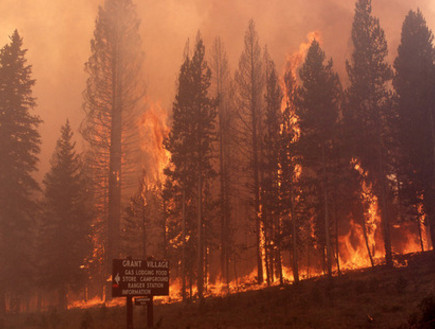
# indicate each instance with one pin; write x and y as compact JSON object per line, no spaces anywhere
{"x":57,"y":34}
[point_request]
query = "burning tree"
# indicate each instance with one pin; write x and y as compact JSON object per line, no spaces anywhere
{"x":249,"y":80}
{"x":113,"y":94}
{"x":222,"y":85}
{"x":271,"y":216}
{"x":413,"y":83}
{"x":368,"y":112}
{"x":19,"y":149}
{"x":318,"y":99}
{"x":66,"y":226}
{"x":190,"y":169}
{"x":288,"y":164}
{"x":142,"y":218}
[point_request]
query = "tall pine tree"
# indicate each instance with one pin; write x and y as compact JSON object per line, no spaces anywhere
{"x":190,"y":169}
{"x":19,"y":149}
{"x":368,"y":112}
{"x":65,"y":238}
{"x":249,"y":79}
{"x":224,"y":92}
{"x":413,"y":83}
{"x":270,"y":166}
{"x":112,"y":98}
{"x":318,"y":100}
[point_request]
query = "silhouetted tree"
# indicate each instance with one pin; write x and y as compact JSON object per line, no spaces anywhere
{"x":288,"y":166}
{"x":270,"y":166}
{"x":413,"y":83}
{"x":224,"y":92}
{"x":65,"y":241}
{"x":368,"y":110}
{"x":19,"y":148}
{"x":190,"y":144}
{"x":112,"y":97}
{"x":249,"y":80}
{"x":318,"y":99}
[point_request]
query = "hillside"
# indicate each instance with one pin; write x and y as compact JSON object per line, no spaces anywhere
{"x":379,"y":298}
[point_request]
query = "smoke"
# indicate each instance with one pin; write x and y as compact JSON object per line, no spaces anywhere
{"x":57,"y":34}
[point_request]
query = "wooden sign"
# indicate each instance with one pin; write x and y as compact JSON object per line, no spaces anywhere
{"x":139,"y":277}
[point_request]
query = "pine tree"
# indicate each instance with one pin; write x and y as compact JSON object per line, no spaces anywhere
{"x":19,"y":149}
{"x":222,"y":83}
{"x":270,"y":166}
{"x":190,"y":169}
{"x":413,"y":83}
{"x":65,"y":231}
{"x":368,"y":111}
{"x":288,"y":164}
{"x":112,"y":98}
{"x":249,"y":80}
{"x":317,"y":109}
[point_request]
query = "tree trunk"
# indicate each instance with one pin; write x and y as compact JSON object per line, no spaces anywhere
{"x":420,"y":235}
{"x":294,"y":240}
{"x":115,"y":164}
{"x":366,"y":240}
{"x":256,"y":169}
{"x":200,"y":261}
{"x":183,"y":234}
{"x":431,"y":217}
{"x":279,"y":266}
{"x":337,"y":250}
{"x":165,"y":242}
{"x":144,"y":232}
{"x":326,"y":214}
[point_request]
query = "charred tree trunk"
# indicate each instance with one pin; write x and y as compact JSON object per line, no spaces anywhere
{"x":183,"y":235}
{"x":268,"y":261}
{"x":115,"y":162}
{"x":384,"y":202}
{"x":337,"y":249}
{"x":164,"y":236}
{"x":420,"y":236}
{"x":144,"y":232}
{"x":279,"y":266}
{"x":431,"y":215}
{"x":294,"y":240}
{"x":326,"y":214}
{"x":257,"y":199}
{"x":200,"y":279}
{"x":366,"y":240}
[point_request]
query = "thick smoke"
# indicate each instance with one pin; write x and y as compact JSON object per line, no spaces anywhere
{"x":57,"y":34}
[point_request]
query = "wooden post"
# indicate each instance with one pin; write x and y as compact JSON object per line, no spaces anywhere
{"x":150,"y":313}
{"x":129,"y":312}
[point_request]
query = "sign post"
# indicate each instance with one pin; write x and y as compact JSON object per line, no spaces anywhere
{"x":150,"y":313}
{"x":129,"y":313}
{"x":138,"y":277}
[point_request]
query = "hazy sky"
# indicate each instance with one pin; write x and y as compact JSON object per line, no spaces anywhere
{"x":57,"y":34}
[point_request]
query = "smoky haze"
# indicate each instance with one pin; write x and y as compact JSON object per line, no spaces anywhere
{"x":57,"y":34}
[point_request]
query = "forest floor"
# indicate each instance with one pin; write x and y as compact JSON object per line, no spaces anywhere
{"x":369,"y":298}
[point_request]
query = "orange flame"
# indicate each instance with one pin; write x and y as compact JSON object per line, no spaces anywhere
{"x":153,"y":131}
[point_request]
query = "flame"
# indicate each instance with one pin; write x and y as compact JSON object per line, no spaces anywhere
{"x":96,"y":302}
{"x":295,"y":59}
{"x":153,"y":130}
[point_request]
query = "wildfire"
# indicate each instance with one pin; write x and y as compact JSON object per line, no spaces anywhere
{"x":153,"y":130}
{"x":96,"y":302}
{"x":295,"y":59}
